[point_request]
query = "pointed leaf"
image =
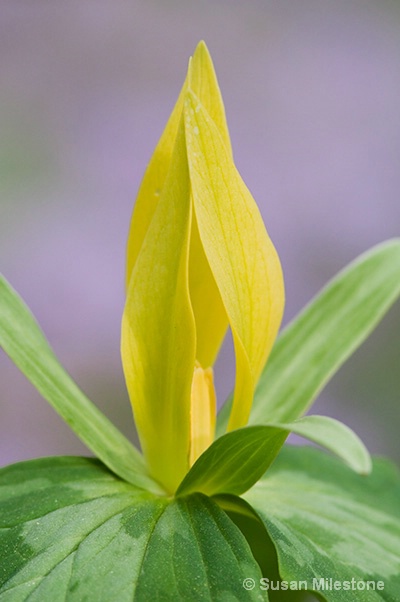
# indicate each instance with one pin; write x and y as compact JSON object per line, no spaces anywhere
{"x":335,"y":437}
{"x":235,"y":461}
{"x":318,"y":341}
{"x":328,"y":523}
{"x":327,"y":332}
{"x":242,"y":258}
{"x":22,"y":339}
{"x":158,"y":331}
{"x":69,"y":530}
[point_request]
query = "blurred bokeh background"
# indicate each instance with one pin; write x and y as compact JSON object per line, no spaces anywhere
{"x":312,"y":97}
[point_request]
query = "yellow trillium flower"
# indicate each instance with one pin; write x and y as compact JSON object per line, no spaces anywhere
{"x":198,"y":260}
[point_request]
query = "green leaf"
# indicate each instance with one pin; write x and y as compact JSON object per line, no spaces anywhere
{"x":327,"y":522}
{"x":72,"y":531}
{"x":25,"y":343}
{"x":235,"y":461}
{"x":318,"y":341}
{"x":335,"y":437}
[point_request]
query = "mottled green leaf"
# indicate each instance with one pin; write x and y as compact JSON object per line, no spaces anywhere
{"x":327,"y":522}
{"x":318,"y":341}
{"x":71,"y":531}
{"x":25,"y":343}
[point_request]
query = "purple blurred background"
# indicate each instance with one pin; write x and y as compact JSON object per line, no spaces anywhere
{"x":312,"y":97}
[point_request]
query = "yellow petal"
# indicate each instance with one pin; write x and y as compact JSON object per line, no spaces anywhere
{"x":209,"y":312}
{"x":152,"y":186}
{"x":203,"y":411}
{"x":158,"y":330}
{"x":242,"y":257}
{"x":202,"y":80}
